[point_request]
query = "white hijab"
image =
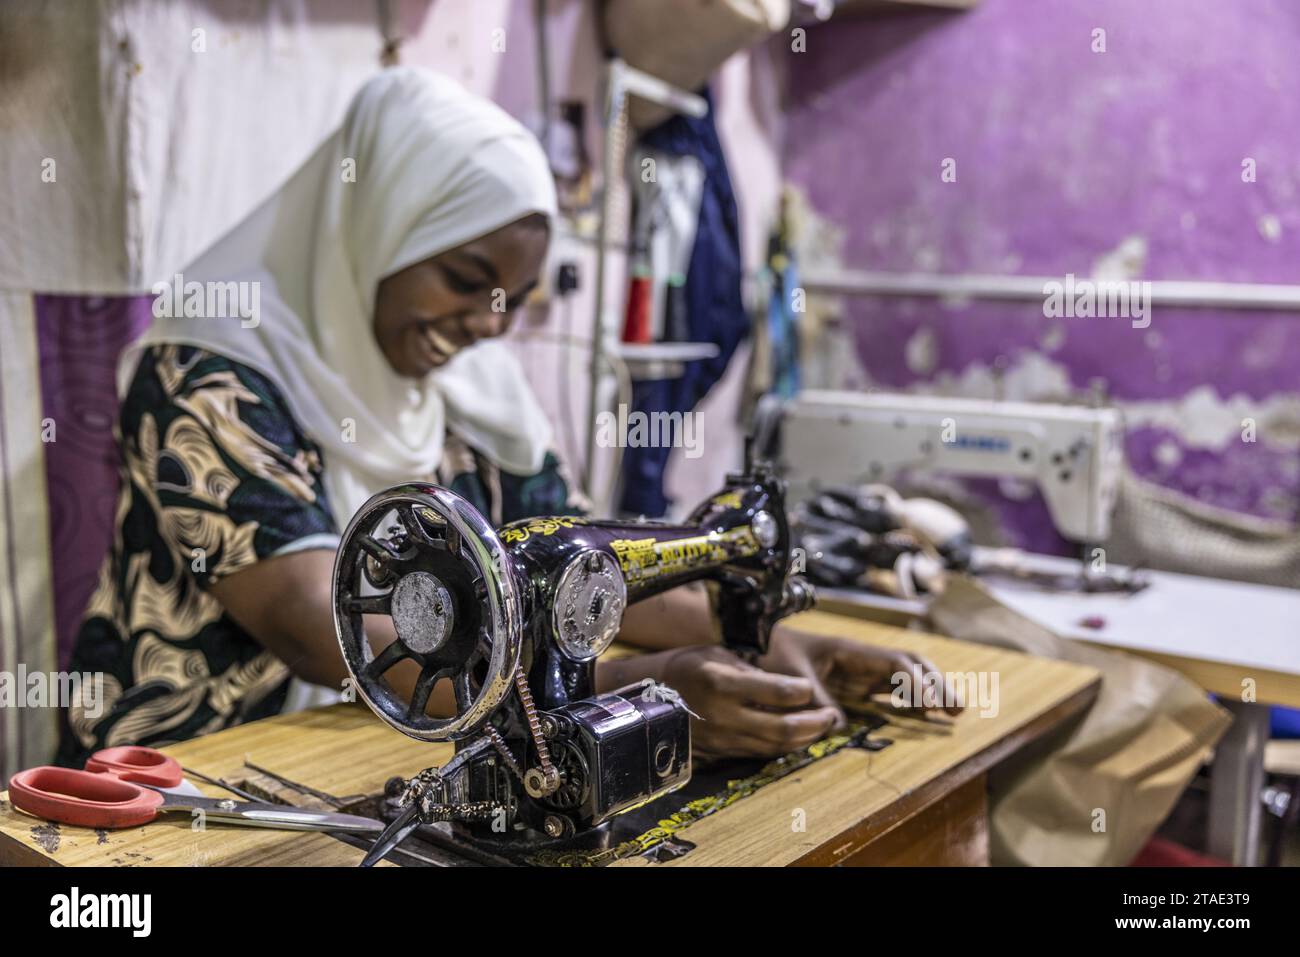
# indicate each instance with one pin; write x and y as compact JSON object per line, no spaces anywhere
{"x":418,"y":167}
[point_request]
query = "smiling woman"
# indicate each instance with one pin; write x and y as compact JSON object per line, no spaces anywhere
{"x":428,"y":312}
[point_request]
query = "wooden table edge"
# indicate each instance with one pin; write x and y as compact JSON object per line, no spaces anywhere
{"x":1219,"y":677}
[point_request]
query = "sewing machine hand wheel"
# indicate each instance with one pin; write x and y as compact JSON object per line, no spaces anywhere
{"x":425,"y":558}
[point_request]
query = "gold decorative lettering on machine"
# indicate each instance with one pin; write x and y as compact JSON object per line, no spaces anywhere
{"x":729,"y":499}
{"x":642,"y":559}
{"x":523,"y":531}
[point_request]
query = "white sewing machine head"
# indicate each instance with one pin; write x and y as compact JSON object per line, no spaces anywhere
{"x":1073,"y":453}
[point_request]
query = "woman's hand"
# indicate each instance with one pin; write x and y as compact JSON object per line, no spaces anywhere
{"x":743,"y":711}
{"x":844,"y":671}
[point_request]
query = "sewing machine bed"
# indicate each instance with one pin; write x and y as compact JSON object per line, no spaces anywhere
{"x":919,"y":800}
{"x":655,"y":830}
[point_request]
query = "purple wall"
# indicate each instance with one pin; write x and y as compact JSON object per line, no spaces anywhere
{"x":1062,"y":153}
{"x":80,"y":338}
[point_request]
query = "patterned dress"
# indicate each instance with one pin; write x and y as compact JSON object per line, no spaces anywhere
{"x":216,"y":475}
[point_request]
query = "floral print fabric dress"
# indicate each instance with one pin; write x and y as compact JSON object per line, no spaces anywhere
{"x":217,"y":475}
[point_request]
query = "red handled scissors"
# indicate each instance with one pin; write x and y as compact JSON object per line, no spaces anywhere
{"x":130,"y":786}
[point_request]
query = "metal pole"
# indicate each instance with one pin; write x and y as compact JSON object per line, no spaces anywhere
{"x":1164,"y":292}
{"x":612,"y":115}
{"x":1236,"y":781}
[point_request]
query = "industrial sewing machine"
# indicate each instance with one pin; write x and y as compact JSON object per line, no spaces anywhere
{"x":514,"y":619}
{"x":1072,"y":453}
{"x":828,"y":442}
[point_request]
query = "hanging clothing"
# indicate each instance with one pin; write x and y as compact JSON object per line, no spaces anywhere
{"x":711,"y":299}
{"x":783,"y":312}
{"x":666,"y":192}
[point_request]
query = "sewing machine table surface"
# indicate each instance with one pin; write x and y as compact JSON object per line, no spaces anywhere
{"x":847,"y":800}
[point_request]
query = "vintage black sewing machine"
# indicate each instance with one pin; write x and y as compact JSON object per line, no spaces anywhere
{"x":514,"y":619}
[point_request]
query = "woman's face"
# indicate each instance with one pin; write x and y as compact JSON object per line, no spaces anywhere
{"x":428,"y":312}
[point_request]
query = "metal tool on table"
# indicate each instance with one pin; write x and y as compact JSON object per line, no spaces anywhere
{"x":514,"y":619}
{"x":130,"y":786}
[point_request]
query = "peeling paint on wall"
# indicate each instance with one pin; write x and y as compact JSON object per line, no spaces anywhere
{"x":1126,"y":165}
{"x":1127,"y":261}
{"x":1202,"y":419}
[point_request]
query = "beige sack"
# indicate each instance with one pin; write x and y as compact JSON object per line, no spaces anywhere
{"x":683,"y":41}
{"x":1130,"y":756}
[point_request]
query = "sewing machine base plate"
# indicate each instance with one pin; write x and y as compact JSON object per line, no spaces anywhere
{"x":641,"y":830}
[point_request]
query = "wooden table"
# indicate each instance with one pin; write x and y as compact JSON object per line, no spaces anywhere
{"x":919,"y":801}
{"x":1179,"y":621}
